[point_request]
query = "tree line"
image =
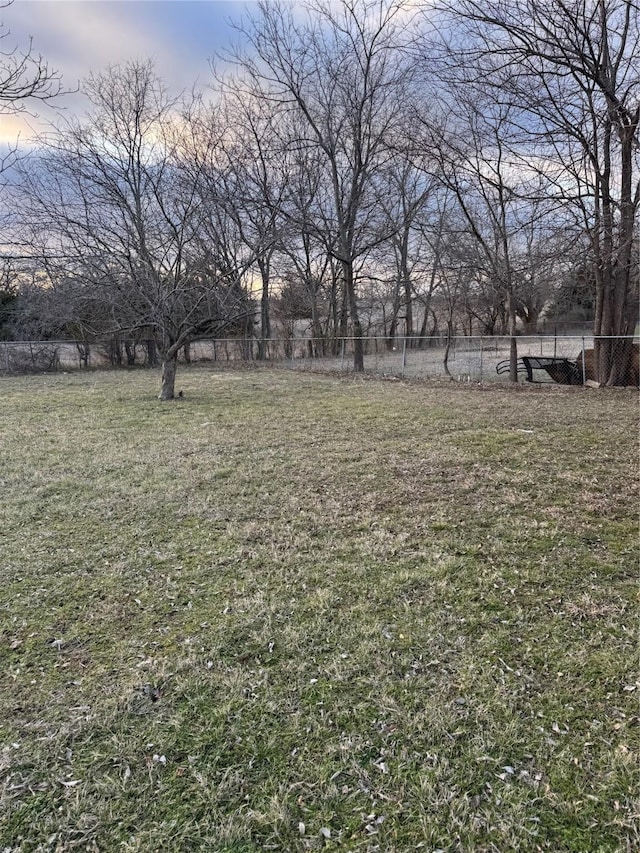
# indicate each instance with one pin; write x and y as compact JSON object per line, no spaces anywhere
{"x":457,"y":166}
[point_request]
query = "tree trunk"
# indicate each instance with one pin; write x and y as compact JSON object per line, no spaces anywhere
{"x":168,"y":383}
{"x":513,"y":344}
{"x":316,"y":326}
{"x":152,"y":353}
{"x":337,"y":308}
{"x":265,"y":320}
{"x":84,"y":353}
{"x":343,"y":316}
{"x":393,"y":328}
{"x":513,"y":359}
{"x":529,"y":315}
{"x":130,"y":350}
{"x":408,"y":296}
{"x":445,"y":360}
{"x":358,"y":344}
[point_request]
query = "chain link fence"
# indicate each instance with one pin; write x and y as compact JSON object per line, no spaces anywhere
{"x":542,"y":359}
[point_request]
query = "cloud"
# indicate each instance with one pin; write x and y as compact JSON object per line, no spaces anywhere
{"x":74,"y":38}
{"x":78,"y":37}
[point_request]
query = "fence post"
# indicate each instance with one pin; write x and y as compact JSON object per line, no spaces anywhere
{"x":404,"y":354}
{"x":481,"y":358}
{"x":342,"y":356}
{"x":584,"y":365}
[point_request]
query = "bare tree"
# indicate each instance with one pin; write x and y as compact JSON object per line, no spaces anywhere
{"x":543,"y":246}
{"x":308,"y":247}
{"x":255,"y":168}
{"x":342,"y":71}
{"x":111,"y":203}
{"x":570,"y":69}
{"x":405,"y":198}
{"x":478,"y":175}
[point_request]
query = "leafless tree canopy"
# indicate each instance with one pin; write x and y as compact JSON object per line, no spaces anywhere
{"x":366,"y":165}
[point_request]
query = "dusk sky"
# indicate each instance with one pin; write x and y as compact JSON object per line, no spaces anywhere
{"x":79,"y":36}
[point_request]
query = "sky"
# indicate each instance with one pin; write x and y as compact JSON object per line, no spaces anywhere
{"x":81,"y":36}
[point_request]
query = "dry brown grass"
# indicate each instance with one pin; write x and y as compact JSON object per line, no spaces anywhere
{"x":299,"y":612}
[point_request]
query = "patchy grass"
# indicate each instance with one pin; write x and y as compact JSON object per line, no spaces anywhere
{"x":294,"y":612}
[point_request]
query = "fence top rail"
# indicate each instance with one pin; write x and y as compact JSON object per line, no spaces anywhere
{"x":306,"y":339}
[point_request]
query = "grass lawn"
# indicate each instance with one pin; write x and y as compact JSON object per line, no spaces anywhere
{"x":295,"y":612}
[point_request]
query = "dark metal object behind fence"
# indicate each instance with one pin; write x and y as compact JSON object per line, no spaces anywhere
{"x":561,"y":370}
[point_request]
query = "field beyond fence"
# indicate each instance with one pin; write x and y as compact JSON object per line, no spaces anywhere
{"x":301,"y":612}
{"x":467,"y":359}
